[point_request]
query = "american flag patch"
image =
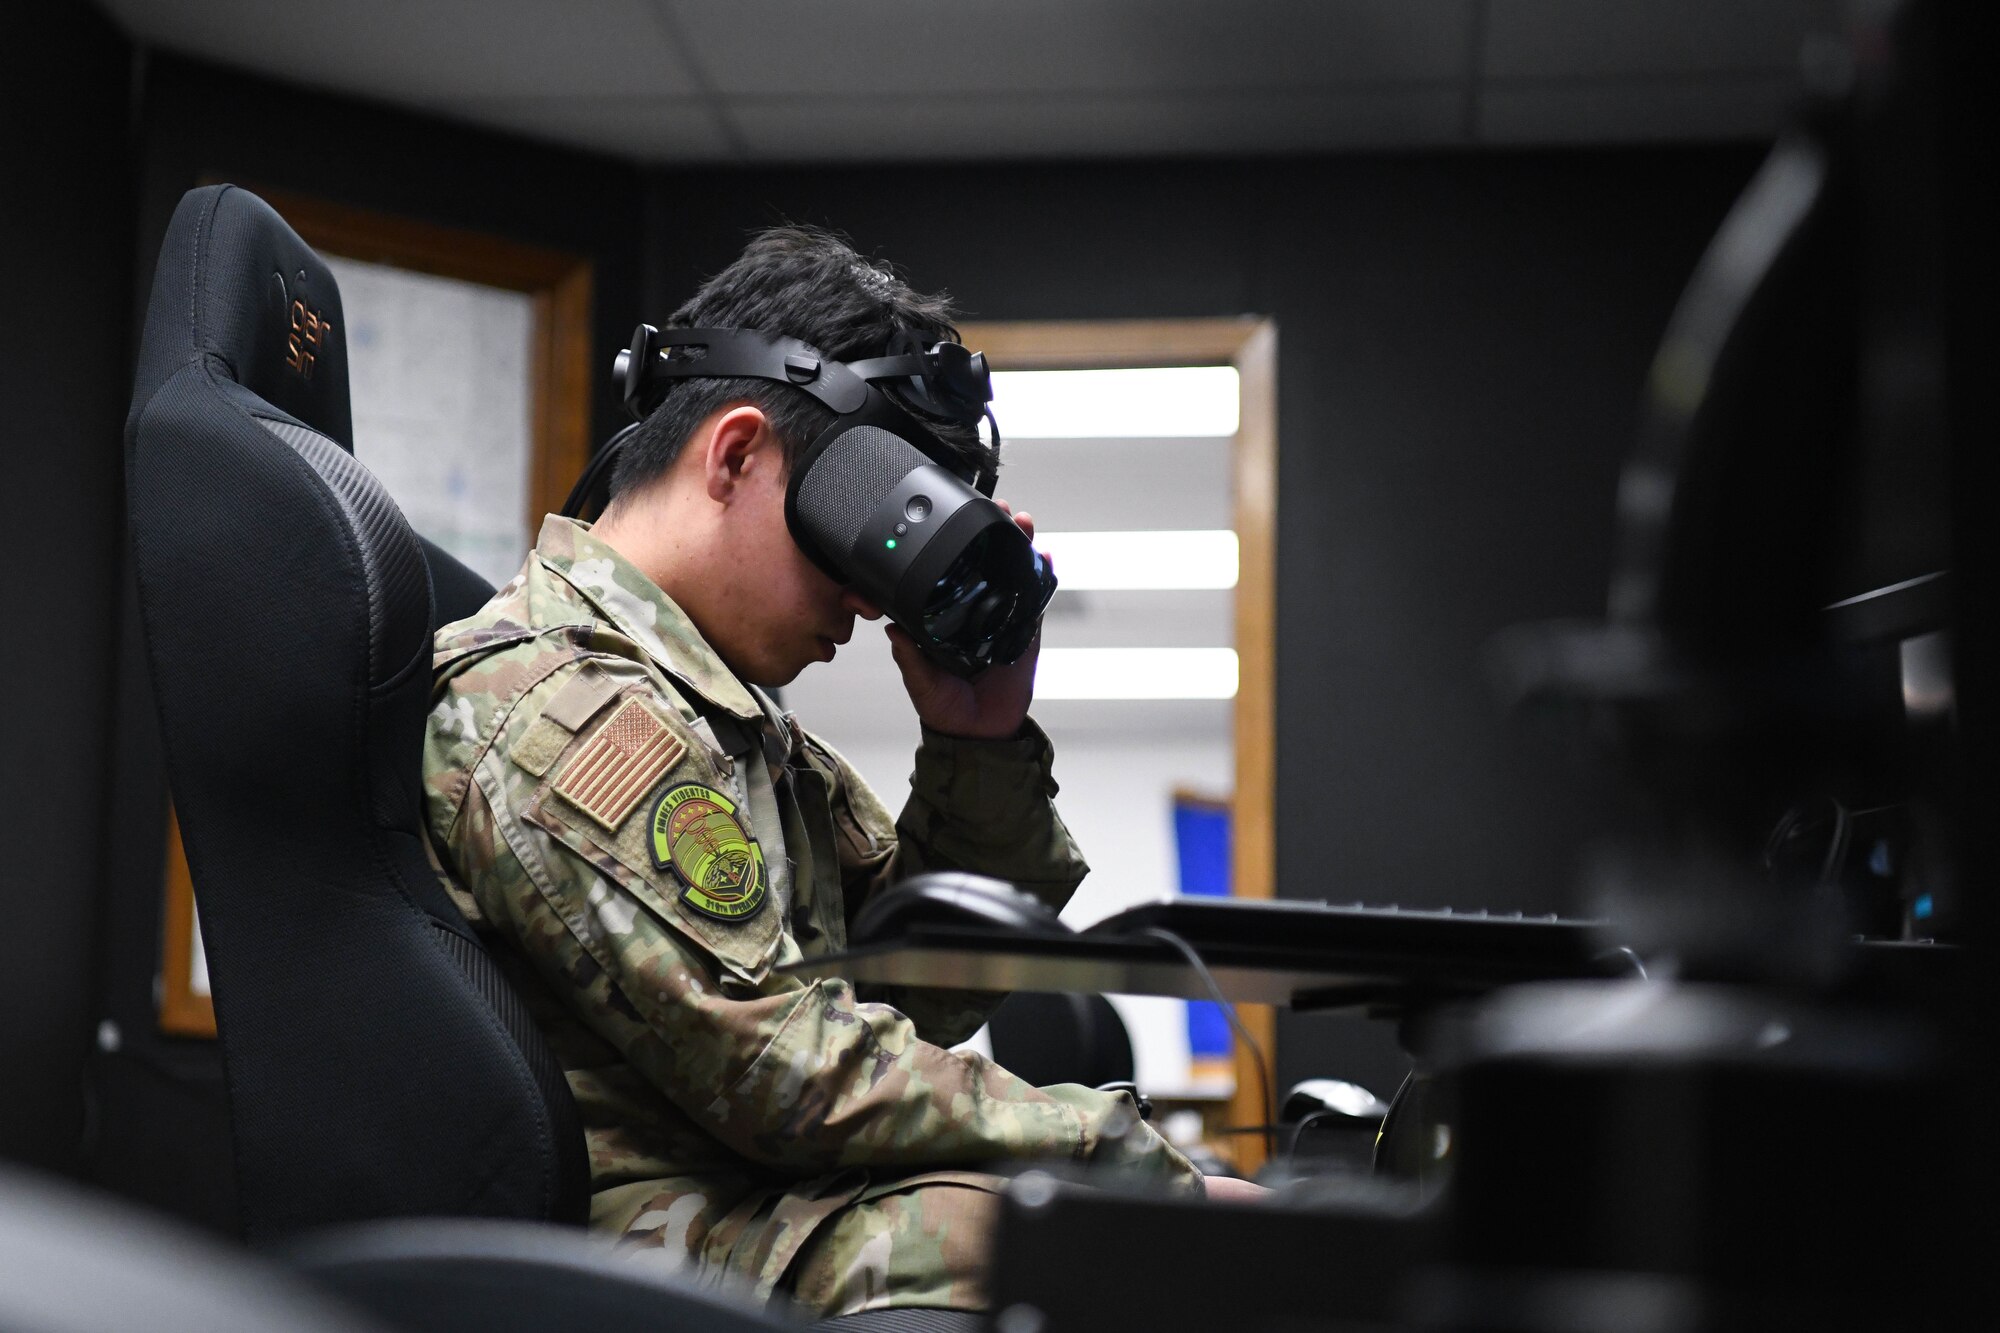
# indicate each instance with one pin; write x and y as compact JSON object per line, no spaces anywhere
{"x":617,"y":766}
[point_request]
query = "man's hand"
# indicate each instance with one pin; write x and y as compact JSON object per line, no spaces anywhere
{"x":993,"y":706}
{"x":1228,"y":1189}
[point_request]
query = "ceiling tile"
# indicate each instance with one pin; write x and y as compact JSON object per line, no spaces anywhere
{"x":888,"y":80}
{"x":1683,"y":110}
{"x":1550,"y":39}
{"x":913,"y":47}
{"x":426,"y":52}
{"x":1147,"y":125}
{"x":646,"y":129}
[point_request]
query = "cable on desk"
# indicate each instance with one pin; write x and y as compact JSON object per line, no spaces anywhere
{"x":1298,"y":1131}
{"x":1268,"y":1104}
{"x":1624,"y":957}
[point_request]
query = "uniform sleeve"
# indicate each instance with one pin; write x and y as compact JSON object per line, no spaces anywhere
{"x":982,"y":806}
{"x":803,"y":1078}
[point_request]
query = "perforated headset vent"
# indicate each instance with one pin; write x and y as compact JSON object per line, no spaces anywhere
{"x":844,"y":484}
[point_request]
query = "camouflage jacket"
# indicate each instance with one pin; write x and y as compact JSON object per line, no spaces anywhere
{"x":654,"y":839}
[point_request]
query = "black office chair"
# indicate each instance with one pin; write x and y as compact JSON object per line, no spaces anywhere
{"x":378,"y":1064}
{"x":459,"y":1276}
{"x":1061,"y":1037}
{"x":76,"y":1260}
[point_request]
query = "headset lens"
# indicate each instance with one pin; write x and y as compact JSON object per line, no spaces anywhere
{"x":985,"y":607}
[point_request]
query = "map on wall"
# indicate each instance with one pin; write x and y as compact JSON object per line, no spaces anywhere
{"x":440,"y":379}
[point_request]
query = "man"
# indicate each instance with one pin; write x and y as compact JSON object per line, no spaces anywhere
{"x":599,"y":739}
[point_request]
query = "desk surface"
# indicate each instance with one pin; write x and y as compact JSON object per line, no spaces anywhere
{"x":1299,"y":954}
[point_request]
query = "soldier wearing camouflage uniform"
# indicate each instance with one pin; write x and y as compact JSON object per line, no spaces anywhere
{"x":617,"y":801}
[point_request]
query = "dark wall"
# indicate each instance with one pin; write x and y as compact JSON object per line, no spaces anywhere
{"x":201,"y":122}
{"x":1462,"y":340}
{"x":65,"y":288}
{"x":161,"y":1106}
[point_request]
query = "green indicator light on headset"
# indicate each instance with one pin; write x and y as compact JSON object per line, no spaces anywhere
{"x":891,"y":543}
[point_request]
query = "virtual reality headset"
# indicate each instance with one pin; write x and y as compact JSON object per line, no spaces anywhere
{"x":877,"y":500}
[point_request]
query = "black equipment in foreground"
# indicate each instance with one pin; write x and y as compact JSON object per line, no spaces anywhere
{"x":878,"y":501}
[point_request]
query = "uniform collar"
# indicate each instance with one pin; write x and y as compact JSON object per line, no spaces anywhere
{"x":646,"y":615}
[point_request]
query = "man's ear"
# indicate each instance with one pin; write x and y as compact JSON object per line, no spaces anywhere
{"x":735,"y":442}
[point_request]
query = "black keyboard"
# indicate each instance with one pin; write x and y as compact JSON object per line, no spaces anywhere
{"x":1418,"y":949}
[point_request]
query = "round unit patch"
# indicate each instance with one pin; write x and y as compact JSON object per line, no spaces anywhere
{"x":695,"y":831}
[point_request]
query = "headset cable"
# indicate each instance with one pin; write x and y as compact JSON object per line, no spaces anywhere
{"x":1267,"y":1106}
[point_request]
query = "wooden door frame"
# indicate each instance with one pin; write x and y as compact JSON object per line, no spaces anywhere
{"x":1250,"y":344}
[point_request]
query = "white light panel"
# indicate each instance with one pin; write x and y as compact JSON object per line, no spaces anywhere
{"x":1141,"y":561}
{"x":1179,"y":402}
{"x":1136,"y":673}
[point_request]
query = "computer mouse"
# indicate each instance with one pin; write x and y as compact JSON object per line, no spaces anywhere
{"x":1331,"y":1099}
{"x":951,"y":898}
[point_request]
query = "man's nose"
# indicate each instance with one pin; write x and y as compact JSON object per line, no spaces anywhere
{"x":850,"y":600}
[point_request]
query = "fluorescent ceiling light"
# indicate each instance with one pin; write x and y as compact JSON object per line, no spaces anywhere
{"x":1136,"y":673}
{"x":1122,"y":561}
{"x":1170,"y":404}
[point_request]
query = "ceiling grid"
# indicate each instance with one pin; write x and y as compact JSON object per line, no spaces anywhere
{"x":670,"y":28}
{"x":804,"y":81}
{"x":1475,"y":69}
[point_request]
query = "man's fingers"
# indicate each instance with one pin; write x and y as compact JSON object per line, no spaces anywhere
{"x":910,"y":659}
{"x":1227,"y":1189}
{"x":910,"y":662}
{"x":1024,"y":521}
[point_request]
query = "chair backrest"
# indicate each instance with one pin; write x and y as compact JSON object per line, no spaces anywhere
{"x":1050,"y":1037}
{"x":378,"y":1064}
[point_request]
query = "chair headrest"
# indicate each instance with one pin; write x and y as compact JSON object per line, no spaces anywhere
{"x":289,"y":349}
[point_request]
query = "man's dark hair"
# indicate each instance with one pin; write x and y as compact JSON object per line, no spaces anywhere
{"x":810,"y":285}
